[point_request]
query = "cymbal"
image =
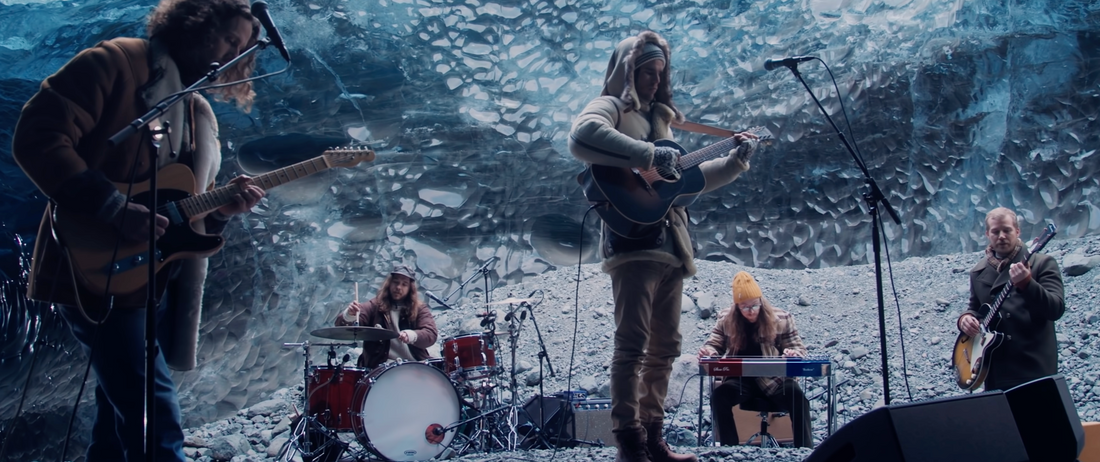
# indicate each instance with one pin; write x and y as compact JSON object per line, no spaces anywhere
{"x":511,"y":301}
{"x":357,"y":333}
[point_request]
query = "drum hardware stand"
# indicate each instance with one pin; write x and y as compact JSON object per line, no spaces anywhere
{"x":299,"y":439}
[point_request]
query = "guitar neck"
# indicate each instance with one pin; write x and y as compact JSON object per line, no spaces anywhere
{"x":993,"y":308}
{"x":713,"y":151}
{"x":210,"y":200}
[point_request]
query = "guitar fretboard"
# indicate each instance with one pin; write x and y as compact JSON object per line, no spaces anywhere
{"x":210,"y":200}
{"x":713,"y":151}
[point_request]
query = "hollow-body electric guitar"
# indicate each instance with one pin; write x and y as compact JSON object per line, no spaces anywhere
{"x":90,"y":244}
{"x":634,"y":199}
{"x":971,"y":357}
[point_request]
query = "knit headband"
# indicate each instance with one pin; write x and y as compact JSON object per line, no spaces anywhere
{"x":650,"y":52}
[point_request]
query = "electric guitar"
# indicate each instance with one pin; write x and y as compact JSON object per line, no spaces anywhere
{"x":90,"y":244}
{"x":971,"y":357}
{"x":634,"y":199}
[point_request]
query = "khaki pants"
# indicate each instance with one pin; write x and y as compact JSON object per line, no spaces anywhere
{"x":647,"y":340}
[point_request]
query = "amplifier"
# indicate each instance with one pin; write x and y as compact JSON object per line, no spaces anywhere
{"x":593,"y":421}
{"x":584,"y":421}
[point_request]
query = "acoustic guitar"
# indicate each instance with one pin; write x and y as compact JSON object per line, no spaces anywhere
{"x":971,"y":356}
{"x":633,"y":199}
{"x":90,"y":244}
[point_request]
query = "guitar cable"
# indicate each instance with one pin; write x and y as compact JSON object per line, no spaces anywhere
{"x":568,"y":401}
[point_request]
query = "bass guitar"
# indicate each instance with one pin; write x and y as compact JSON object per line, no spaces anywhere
{"x":971,"y":356}
{"x":90,"y":244}
{"x":634,"y":199}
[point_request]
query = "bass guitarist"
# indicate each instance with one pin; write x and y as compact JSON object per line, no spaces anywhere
{"x":60,"y":142}
{"x":1030,"y":349}
{"x":618,"y":129}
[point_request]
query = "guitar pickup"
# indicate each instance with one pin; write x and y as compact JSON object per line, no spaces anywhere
{"x":127,"y":264}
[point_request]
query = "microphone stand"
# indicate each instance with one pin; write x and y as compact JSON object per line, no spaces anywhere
{"x":544,"y":356}
{"x":151,"y":296}
{"x":875,"y":199}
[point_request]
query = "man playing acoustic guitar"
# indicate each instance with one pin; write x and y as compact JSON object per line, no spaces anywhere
{"x":1030,"y":349}
{"x":618,"y":129}
{"x":61,"y":143}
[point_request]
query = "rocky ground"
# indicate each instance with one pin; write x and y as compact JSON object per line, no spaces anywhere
{"x":835,"y":311}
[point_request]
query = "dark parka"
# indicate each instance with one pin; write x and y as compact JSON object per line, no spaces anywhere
{"x":1030,"y":349}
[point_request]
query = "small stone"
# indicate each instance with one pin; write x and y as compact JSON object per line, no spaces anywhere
{"x":935,"y":340}
{"x":803,"y":301}
{"x":1083,"y":354}
{"x":191,"y":441}
{"x":831,"y":343}
{"x":275,"y":446}
{"x":1092,"y":318}
{"x":942,"y":302}
{"x":858,"y":352}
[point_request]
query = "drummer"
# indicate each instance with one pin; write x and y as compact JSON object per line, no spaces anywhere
{"x":397,"y":307}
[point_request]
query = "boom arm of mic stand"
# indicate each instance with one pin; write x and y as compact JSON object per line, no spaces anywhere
{"x":160,"y":108}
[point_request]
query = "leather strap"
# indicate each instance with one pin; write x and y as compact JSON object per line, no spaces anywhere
{"x":704,"y":129}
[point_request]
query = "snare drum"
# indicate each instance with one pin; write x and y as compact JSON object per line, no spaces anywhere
{"x":471,"y":354}
{"x":330,"y":395}
{"x":400,"y":405}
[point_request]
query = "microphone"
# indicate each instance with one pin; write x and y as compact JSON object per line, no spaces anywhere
{"x":492,"y":259}
{"x":437,"y":300}
{"x":791,"y":62}
{"x":259,"y":11}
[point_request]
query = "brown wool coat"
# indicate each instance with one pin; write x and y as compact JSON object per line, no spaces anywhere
{"x":64,"y":130}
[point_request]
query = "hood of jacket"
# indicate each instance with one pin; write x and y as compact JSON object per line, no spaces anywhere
{"x":619,"y":79}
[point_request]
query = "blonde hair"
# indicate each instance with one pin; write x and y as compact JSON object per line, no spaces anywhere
{"x":1002,"y":212}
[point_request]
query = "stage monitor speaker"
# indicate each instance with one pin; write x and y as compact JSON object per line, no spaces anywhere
{"x":557,"y":424}
{"x":974,"y":428}
{"x":1047,"y":419}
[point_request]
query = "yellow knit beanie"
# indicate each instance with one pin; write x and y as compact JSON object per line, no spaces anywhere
{"x":744,"y":288}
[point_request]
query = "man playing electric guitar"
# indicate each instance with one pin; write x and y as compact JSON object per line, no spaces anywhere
{"x":61,"y":143}
{"x":1029,"y":349}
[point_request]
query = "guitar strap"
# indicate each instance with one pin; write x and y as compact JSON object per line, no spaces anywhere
{"x":695,"y":127}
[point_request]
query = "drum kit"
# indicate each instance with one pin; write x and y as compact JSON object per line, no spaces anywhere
{"x":414,"y":410}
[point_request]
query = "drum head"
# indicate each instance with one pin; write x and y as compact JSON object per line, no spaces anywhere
{"x":403,"y":403}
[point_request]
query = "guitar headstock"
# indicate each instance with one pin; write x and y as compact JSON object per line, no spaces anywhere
{"x":347,"y":157}
{"x":1038,"y":243}
{"x":764,"y":136}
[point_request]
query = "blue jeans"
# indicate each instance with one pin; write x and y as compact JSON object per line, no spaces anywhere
{"x":118,"y":358}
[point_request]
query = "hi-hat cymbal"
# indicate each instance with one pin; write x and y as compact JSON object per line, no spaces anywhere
{"x":357,"y":333}
{"x":511,"y":301}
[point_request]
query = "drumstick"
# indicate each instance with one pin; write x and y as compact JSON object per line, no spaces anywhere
{"x":356,"y":301}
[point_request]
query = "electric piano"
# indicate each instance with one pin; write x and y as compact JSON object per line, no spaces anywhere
{"x":756,"y":366}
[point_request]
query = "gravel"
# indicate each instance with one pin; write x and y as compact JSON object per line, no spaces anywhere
{"x":835,"y":311}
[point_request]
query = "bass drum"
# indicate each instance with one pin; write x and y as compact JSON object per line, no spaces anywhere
{"x":402,"y":403}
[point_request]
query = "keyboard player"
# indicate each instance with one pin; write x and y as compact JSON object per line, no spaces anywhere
{"x":752,"y":327}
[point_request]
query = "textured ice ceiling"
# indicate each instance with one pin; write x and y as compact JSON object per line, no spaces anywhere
{"x":958,"y":106}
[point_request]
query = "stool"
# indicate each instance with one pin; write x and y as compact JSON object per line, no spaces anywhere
{"x":765,"y":408}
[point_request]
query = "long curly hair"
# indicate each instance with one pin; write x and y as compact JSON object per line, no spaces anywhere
{"x":188,"y":25}
{"x":386,"y":303}
{"x":736,"y":323}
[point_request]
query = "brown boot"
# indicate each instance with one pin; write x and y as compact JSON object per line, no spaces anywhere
{"x":632,"y":445}
{"x":658,"y":448}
